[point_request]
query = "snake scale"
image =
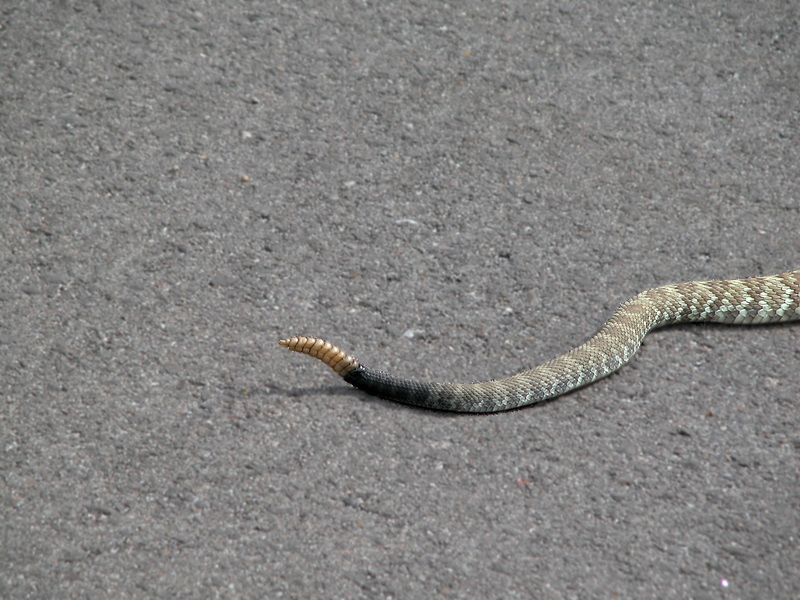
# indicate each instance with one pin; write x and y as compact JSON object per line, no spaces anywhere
{"x":757,"y":300}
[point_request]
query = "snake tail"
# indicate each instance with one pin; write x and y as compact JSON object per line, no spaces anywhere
{"x":752,"y":301}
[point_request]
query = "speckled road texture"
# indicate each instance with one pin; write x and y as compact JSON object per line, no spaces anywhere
{"x":181,"y":184}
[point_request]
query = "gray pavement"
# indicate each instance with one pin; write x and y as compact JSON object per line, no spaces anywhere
{"x":448,"y":191}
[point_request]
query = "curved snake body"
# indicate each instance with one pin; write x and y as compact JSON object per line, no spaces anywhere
{"x":756,"y":300}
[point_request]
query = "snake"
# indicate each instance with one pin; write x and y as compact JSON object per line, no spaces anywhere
{"x":750,"y":301}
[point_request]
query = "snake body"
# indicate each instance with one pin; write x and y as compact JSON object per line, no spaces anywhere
{"x":756,"y":300}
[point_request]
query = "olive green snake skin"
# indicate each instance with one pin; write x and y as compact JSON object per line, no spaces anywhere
{"x":757,"y":300}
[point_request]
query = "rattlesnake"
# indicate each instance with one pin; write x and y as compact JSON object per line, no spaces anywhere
{"x":757,"y":300}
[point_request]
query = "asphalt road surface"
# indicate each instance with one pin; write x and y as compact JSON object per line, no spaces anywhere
{"x":447,"y":191}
